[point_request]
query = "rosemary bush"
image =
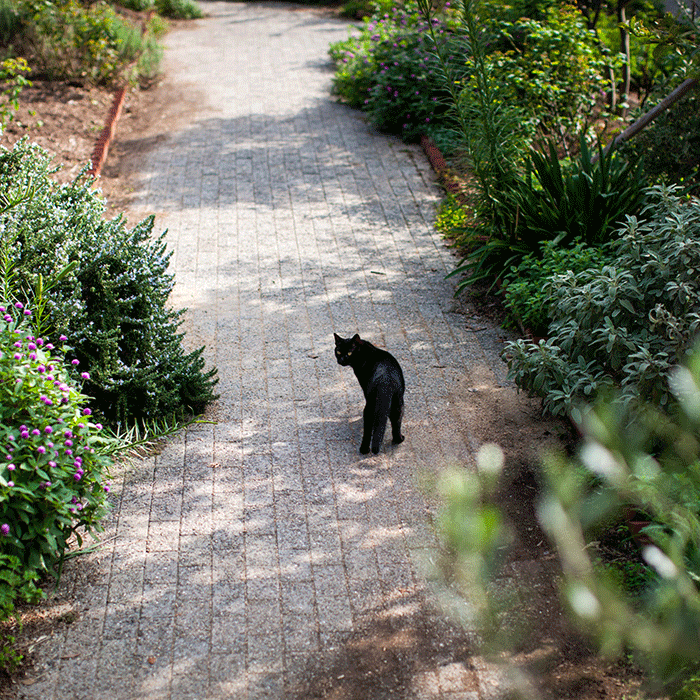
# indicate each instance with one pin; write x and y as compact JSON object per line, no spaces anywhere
{"x":106,"y":287}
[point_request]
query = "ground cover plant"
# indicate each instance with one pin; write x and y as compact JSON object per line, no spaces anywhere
{"x":106,"y":287}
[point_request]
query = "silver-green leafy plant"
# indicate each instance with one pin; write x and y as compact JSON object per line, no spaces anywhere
{"x":623,"y":326}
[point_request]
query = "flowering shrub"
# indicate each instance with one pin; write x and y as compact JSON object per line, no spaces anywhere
{"x":103,"y":285}
{"x":51,"y":469}
{"x":53,"y":465}
{"x":390,"y":71}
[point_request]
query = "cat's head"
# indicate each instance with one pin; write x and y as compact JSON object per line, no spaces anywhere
{"x":345,"y":347}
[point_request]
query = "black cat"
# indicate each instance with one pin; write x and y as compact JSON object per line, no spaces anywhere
{"x":381,"y":379}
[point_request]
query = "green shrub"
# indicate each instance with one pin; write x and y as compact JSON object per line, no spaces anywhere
{"x":670,"y":145}
{"x":624,"y":325}
{"x":137,"y":5}
{"x":646,"y":460}
{"x":525,"y":286}
{"x":10,"y":22}
{"x":583,"y":200}
{"x":11,"y":81}
{"x":179,"y":9}
{"x":556,"y":71}
{"x":106,"y":287}
{"x":66,"y":40}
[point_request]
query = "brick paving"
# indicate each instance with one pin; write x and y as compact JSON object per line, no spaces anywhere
{"x":248,"y":556}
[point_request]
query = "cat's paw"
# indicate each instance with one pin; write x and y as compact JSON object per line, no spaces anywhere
{"x":364,"y":449}
{"x":399,"y":440}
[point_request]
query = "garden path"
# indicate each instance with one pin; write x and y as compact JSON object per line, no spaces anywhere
{"x":258,"y":554}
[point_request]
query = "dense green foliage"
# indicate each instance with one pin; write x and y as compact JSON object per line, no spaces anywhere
{"x":583,"y":200}
{"x":524,"y":286}
{"x":670,"y":145}
{"x":67,"y":40}
{"x":12,"y":80}
{"x":389,"y":71}
{"x":106,"y":287}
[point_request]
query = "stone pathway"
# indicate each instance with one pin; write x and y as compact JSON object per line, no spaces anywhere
{"x":259,"y":555}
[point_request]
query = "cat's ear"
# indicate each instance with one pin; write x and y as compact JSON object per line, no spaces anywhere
{"x":337,"y":338}
{"x":356,"y":338}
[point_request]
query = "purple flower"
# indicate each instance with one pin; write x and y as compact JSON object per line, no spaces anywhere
{"x":77,"y":476}
{"x":36,"y":431}
{"x":11,"y":467}
{"x":11,"y":484}
{"x":87,"y":412}
{"x":68,"y":443}
{"x":41,"y":449}
{"x":19,"y":305}
{"x":75,"y":363}
{"x":85,"y":375}
{"x":63,"y":337}
{"x":32,"y":346}
{"x":5,"y":529}
{"x":48,"y":430}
